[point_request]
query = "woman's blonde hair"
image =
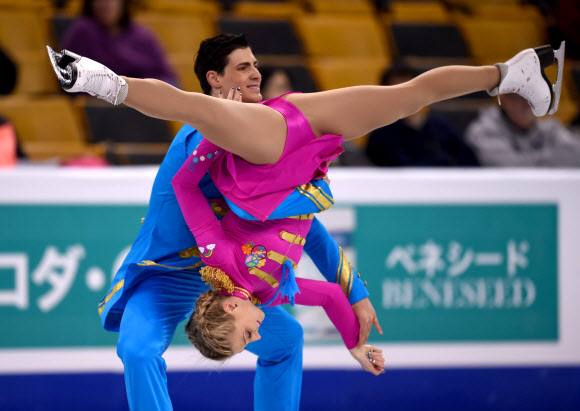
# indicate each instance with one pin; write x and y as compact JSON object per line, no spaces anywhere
{"x":210,"y":326}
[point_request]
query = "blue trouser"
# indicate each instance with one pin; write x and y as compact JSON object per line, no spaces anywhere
{"x":159,"y":303}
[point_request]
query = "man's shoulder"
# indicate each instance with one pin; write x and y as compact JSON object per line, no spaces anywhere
{"x":187,"y":136}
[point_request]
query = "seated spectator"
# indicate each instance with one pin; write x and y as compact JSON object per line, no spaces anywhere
{"x":9,"y":73}
{"x":511,"y":136}
{"x":421,"y":139}
{"x":106,"y":33}
{"x":275,"y":82}
{"x":9,"y":150}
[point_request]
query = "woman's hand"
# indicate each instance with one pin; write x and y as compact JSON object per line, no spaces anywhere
{"x":370,"y":358}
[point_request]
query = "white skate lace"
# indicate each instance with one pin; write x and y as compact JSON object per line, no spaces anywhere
{"x":102,"y":83}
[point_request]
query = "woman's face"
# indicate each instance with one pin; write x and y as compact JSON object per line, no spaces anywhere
{"x":247,"y":321}
{"x":108,"y":12}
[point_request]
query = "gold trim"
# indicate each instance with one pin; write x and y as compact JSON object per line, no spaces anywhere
{"x":115,"y":288}
{"x":279,"y":258}
{"x":255,"y":300}
{"x":244,"y":292}
{"x":190,"y":252}
{"x":262,"y":275}
{"x":322,"y":200}
{"x":292,"y":238}
{"x":142,"y":220}
{"x":344,"y":274}
{"x":219,"y":209}
{"x":303,"y":217}
{"x":217,"y":279}
{"x":146,"y":263}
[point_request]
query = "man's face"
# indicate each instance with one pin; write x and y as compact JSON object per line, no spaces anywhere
{"x":242,"y":71}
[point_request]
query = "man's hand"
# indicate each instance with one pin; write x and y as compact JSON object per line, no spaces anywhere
{"x":366,"y":315}
{"x":371,"y":358}
{"x":233,"y":94}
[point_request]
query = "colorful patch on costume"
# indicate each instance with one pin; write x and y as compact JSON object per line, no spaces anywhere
{"x":259,"y":251}
{"x":252,"y":261}
{"x":256,"y":254}
{"x":247,"y":248}
{"x":207,"y":251}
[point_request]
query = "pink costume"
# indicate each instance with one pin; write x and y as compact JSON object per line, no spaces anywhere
{"x":258,"y":257}
{"x":305,"y":158}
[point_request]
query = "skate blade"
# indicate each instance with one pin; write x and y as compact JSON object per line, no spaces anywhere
{"x":557,"y":88}
{"x":65,"y":72}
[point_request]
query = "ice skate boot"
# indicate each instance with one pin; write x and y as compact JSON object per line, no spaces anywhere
{"x":80,"y":74}
{"x":524,"y":74}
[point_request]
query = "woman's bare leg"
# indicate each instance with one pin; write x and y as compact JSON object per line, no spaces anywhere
{"x":254,"y":132}
{"x":355,"y":111}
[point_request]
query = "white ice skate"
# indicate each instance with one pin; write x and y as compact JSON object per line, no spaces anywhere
{"x":80,"y":74}
{"x":524,"y":74}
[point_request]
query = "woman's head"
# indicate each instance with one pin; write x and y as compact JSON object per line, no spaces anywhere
{"x":222,"y":326}
{"x":110,"y":13}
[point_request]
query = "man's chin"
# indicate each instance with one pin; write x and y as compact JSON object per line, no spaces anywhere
{"x":252,"y":98}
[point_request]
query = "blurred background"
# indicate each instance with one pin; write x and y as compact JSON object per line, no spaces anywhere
{"x":463,"y":218}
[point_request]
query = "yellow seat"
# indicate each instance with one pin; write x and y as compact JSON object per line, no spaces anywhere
{"x":512,"y":12}
{"x":473,"y":3}
{"x":500,"y":39}
{"x":178,"y":33}
{"x":341,"y":6}
{"x":182,"y":64}
{"x":207,"y":9}
{"x":335,"y":72}
{"x":343,"y":36}
{"x":25,"y":4}
{"x":24,"y":34}
{"x":48,"y":127}
{"x":418,"y":12}
{"x":259,"y":9}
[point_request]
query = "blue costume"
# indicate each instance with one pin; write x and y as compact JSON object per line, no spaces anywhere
{"x":159,"y":282}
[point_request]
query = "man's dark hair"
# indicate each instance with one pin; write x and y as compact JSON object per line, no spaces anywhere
{"x":213,"y":55}
{"x":125,"y":14}
{"x":398,"y":69}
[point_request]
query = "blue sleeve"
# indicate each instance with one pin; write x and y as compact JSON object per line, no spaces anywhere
{"x":332,"y":263}
{"x":191,"y":138}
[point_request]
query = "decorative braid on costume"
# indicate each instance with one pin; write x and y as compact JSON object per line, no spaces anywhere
{"x":217,"y":279}
{"x":256,"y":300}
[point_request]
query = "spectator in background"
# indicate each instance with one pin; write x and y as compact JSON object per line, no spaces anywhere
{"x":511,"y":136}
{"x":275,"y":82}
{"x":10,"y":150}
{"x":9,"y":73}
{"x":420,"y":139}
{"x":105,"y":32}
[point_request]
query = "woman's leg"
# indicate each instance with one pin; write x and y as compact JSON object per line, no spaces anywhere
{"x":355,"y":111}
{"x":253,"y":131}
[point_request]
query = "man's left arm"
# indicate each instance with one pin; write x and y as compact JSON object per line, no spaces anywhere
{"x":335,"y":267}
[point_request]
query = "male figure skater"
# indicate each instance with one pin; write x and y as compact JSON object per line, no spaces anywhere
{"x":159,"y":281}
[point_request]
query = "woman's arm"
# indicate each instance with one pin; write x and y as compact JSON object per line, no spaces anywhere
{"x":330,"y":297}
{"x":198,"y":215}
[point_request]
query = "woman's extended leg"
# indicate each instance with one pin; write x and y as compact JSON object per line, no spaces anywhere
{"x":253,"y":131}
{"x":355,"y":111}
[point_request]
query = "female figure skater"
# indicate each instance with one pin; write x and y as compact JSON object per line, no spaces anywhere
{"x":249,"y":262}
{"x":300,"y":126}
